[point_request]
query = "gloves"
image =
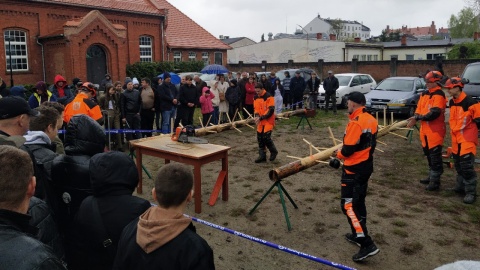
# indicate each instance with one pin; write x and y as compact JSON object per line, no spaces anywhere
{"x":334,"y":163}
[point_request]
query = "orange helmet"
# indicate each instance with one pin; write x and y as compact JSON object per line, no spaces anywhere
{"x":455,"y":82}
{"x":89,"y":87}
{"x":433,"y":76}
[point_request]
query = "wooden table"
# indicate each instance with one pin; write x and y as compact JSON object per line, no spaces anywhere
{"x":187,"y":153}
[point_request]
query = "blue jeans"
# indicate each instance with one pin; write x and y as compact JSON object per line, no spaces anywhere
{"x":166,"y":120}
{"x":215,"y":115}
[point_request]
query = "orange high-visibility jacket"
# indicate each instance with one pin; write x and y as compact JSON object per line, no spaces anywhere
{"x":82,"y":105}
{"x":359,"y":140}
{"x":264,"y":106}
{"x":431,"y":111}
{"x":464,"y":114}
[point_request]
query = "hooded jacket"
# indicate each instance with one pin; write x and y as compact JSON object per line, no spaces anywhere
{"x":70,"y":173}
{"x":114,"y":177}
{"x":206,"y":101}
{"x":158,"y":240}
{"x":62,"y":93}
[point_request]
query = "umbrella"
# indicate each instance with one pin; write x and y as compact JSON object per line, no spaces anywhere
{"x":214,"y":69}
{"x":175,"y":78}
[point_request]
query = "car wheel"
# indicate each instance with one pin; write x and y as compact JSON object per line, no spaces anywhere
{"x":344,"y":104}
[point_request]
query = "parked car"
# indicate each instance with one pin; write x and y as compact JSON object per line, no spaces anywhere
{"x":306,"y":73}
{"x":208,"y":78}
{"x":472,"y":73}
{"x":396,"y":94}
{"x":348,"y":82}
{"x":192,"y":74}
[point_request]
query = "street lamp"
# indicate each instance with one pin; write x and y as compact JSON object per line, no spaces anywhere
{"x":303,"y":29}
{"x":9,"y":39}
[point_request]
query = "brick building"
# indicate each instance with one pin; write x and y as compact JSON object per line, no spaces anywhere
{"x":89,"y":38}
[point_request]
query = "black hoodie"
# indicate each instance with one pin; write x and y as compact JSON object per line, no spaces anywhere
{"x":114,"y":177}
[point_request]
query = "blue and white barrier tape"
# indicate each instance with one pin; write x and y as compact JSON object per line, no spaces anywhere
{"x":272,"y":245}
{"x":117,"y":131}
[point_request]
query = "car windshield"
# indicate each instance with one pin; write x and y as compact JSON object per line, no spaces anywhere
{"x":395,"y":85}
{"x":472,"y":73}
{"x":281,"y":74}
{"x":344,"y":80}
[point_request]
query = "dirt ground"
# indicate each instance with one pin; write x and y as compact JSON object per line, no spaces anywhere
{"x":413,"y":228}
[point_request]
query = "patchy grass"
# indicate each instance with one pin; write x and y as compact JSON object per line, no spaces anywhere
{"x":411,"y":248}
{"x":443,"y":241}
{"x":386,"y":214}
{"x":380,"y":239}
{"x":309,"y":199}
{"x":469,"y":242}
{"x":300,"y":190}
{"x":306,"y":213}
{"x":246,"y":185}
{"x":399,"y":223}
{"x":334,"y":210}
{"x":314,"y":189}
{"x":401,"y":233}
{"x":474,"y":214}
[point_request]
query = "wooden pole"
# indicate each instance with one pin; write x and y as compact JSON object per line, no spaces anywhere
{"x":307,"y":162}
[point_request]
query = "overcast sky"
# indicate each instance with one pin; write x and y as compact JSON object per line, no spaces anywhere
{"x":252,"y":18}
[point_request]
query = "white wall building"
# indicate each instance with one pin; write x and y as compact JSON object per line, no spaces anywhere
{"x":348,"y":29}
{"x":282,"y":50}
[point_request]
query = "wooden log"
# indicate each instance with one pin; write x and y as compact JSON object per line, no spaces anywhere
{"x":307,"y":162}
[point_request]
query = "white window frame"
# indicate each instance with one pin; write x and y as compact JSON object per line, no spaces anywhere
{"x":205,"y":58}
{"x":177,"y":56}
{"x":20,"y":49}
{"x":192,"y":56}
{"x":146,"y":48}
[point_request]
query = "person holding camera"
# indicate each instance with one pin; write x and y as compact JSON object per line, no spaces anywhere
{"x":359,"y":144}
{"x":206,"y":105}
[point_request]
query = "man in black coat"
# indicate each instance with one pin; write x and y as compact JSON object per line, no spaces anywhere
{"x":297,"y":87}
{"x":166,"y":102}
{"x":188,"y":98}
{"x":102,"y":217}
{"x":163,"y":238}
{"x":18,"y":248}
{"x":330,"y":85}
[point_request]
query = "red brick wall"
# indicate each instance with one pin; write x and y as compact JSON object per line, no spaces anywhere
{"x":68,"y":57}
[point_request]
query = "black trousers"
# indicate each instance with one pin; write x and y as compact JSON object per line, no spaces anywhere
{"x":147,"y":118}
{"x":184,"y":115}
{"x":133,"y":122}
{"x":353,"y":192}
{"x":435,"y":162}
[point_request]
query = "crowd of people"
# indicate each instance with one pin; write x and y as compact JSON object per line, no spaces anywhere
{"x":68,"y":203}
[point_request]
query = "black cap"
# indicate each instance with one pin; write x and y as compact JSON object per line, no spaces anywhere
{"x":357,"y":97}
{"x":14,"y":106}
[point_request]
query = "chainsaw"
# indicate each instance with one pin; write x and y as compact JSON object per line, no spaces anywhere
{"x":187,"y":135}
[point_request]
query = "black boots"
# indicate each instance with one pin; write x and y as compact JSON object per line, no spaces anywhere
{"x":273,"y":152}
{"x":433,"y":185}
{"x":262,"y":156}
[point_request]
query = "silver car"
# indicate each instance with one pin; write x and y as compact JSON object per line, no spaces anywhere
{"x":396,"y":94}
{"x":348,"y":82}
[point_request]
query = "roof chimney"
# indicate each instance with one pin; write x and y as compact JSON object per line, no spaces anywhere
{"x":404,"y":40}
{"x":357,"y":39}
{"x":319,"y":36}
{"x":333,"y":37}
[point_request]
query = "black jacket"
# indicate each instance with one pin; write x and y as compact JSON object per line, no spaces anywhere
{"x":313,"y":86}
{"x":188,"y":94}
{"x":70,"y":173}
{"x":130,"y":102}
{"x":42,"y":218}
{"x":114,"y":177}
{"x":330,"y":85}
{"x":18,"y":249}
{"x":297,"y":86}
{"x":164,"y":96}
{"x":187,"y":251}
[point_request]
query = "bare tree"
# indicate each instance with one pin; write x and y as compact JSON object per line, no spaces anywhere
{"x":337,"y":26}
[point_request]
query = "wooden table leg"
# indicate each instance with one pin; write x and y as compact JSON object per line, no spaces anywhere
{"x":139,"y":169}
{"x":225,"y":181}
{"x":197,"y":176}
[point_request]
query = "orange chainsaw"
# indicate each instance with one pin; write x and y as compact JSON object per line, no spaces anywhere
{"x":186,"y":134}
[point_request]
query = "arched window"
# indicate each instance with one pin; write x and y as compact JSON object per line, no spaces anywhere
{"x":192,"y":56}
{"x":146,"y":52}
{"x":16,"y":50}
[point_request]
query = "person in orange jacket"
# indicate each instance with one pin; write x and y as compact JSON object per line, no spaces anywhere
{"x":359,"y":143}
{"x":464,"y":122}
{"x":83,"y":104}
{"x":431,"y":111}
{"x":264,"y":110}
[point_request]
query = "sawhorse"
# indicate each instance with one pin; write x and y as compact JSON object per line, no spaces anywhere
{"x":304,"y":118}
{"x":281,"y":190}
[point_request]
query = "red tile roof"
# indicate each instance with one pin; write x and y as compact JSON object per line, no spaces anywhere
{"x":183,"y":32}
{"x":137,"y":6}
